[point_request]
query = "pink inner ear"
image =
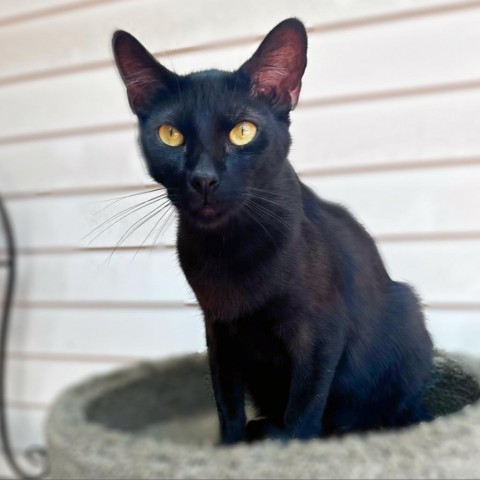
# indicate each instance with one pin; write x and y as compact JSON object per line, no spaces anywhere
{"x":142,"y":74}
{"x":281,"y":74}
{"x":141,"y":85}
{"x":140,"y":77}
{"x":277,"y":67}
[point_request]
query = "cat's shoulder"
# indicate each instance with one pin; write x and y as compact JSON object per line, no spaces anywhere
{"x":332,"y":218}
{"x":316,"y":207}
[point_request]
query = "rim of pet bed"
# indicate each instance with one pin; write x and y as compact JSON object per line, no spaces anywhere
{"x":35,"y":455}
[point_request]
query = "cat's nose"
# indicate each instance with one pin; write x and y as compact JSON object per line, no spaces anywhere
{"x":204,"y":182}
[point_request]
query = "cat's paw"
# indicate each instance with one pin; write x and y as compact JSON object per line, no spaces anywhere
{"x":256,"y":430}
{"x":261,"y":429}
{"x":305,"y":431}
{"x":233,"y":437}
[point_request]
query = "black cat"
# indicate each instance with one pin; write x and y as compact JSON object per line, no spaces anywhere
{"x":299,"y":310}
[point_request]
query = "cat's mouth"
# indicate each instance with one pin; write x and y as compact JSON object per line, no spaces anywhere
{"x":208,"y":215}
{"x":208,"y":211}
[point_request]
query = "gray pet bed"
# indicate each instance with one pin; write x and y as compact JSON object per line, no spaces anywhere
{"x":158,"y":420}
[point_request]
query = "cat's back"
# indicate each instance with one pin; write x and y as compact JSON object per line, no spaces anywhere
{"x":346,"y":239}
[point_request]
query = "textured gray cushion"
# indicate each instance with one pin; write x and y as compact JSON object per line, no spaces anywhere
{"x":158,"y":420}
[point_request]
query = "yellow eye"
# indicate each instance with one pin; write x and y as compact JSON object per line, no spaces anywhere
{"x":170,"y":136}
{"x":242,"y":133}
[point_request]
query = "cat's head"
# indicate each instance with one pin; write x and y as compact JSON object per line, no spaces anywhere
{"x":216,"y":139}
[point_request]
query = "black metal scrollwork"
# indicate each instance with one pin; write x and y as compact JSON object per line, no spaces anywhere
{"x":34,"y":455}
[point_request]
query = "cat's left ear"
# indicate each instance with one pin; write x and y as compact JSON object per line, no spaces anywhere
{"x":277,"y":67}
{"x":144,"y":77}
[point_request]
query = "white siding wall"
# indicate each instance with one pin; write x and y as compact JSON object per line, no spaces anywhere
{"x":388,"y":124}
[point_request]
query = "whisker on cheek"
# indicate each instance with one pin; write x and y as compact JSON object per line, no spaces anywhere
{"x":165,"y":225}
{"x":251,"y":214}
{"x":167,"y":210}
{"x":264,"y":211}
{"x":133,"y":228}
{"x":122,"y":215}
{"x":115,"y":200}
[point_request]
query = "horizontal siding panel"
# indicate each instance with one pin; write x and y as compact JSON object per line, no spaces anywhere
{"x":440,"y":271}
{"x":39,"y":382}
{"x":72,"y":162}
{"x":86,"y":99}
{"x":339,"y":65}
{"x":443,"y":271}
{"x":149,"y":276}
{"x":415,"y":201}
{"x":401,"y":131}
{"x":95,"y":221}
{"x":66,"y":335}
{"x":455,"y":331}
{"x":20,"y":9}
{"x":428,"y":51}
{"x":411,"y":201}
{"x":107,"y":333}
{"x":60,"y":40}
{"x":398,"y":130}
{"x":389,"y":56}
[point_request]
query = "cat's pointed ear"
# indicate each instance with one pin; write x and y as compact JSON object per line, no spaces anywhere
{"x":144,"y":77}
{"x":277,"y":67}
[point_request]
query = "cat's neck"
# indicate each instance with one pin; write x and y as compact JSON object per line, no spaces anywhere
{"x":269,"y":220}
{"x":222,"y":265}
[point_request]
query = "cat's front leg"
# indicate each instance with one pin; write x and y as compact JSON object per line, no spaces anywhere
{"x":228,"y":383}
{"x":312,"y":371}
{"x":308,"y":397}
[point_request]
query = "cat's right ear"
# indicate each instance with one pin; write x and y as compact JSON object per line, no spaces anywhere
{"x":143,"y":76}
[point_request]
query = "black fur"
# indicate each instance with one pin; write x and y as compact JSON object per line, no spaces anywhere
{"x":299,"y":310}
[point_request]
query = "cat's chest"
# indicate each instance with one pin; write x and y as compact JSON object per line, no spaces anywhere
{"x":227,"y":285}
{"x":259,"y":341}
{"x":219,"y":294}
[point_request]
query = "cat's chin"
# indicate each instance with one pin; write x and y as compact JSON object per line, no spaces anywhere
{"x":207,"y":218}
